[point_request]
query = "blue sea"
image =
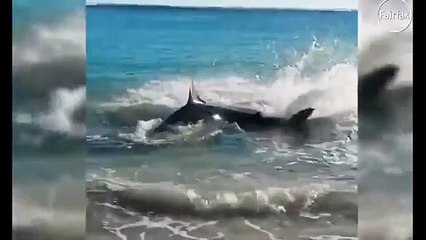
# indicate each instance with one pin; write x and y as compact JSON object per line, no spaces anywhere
{"x":216,"y":181}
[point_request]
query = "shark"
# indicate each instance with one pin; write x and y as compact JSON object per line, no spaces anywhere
{"x":196,"y":109}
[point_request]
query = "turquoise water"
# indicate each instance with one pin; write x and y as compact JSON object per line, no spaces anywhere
{"x":214,"y":180}
{"x":130,"y":46}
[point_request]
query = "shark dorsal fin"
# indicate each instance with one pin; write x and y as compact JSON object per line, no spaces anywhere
{"x":194,"y":97}
{"x":300,"y":117}
{"x":190,"y":97}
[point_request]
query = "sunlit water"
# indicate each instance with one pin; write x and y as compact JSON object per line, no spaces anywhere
{"x":216,"y":181}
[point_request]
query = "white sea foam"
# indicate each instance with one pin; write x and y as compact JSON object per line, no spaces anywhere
{"x":49,"y":41}
{"x":330,"y":92}
{"x":63,"y":104}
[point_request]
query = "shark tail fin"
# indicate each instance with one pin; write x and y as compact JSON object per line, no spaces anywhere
{"x":300,"y":117}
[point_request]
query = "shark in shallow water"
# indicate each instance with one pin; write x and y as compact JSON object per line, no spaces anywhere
{"x":196,"y":109}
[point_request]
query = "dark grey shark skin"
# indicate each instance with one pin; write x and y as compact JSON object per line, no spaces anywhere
{"x":381,"y":107}
{"x":248,"y":120}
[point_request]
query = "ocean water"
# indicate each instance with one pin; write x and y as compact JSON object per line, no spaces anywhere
{"x":216,"y":181}
{"x":48,"y":139}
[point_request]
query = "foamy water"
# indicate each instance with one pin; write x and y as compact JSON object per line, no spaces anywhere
{"x":331,"y":94}
{"x":213,"y":180}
